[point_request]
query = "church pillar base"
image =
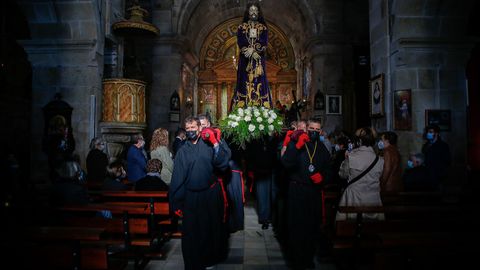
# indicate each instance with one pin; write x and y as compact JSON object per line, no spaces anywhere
{"x":118,"y":136}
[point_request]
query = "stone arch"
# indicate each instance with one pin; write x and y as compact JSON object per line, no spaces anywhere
{"x":217,"y":73}
{"x":220,"y":45}
{"x":197,"y":19}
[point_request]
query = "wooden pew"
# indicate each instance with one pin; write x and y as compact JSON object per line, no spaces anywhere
{"x":408,"y":230}
{"x":135,"y":194}
{"x":135,"y":218}
{"x":54,"y":247}
{"x":159,"y":208}
{"x":127,"y":219}
{"x":128,"y":234}
{"x":450,"y":249}
{"x":417,"y":198}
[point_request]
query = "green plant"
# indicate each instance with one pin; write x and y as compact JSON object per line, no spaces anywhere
{"x":243,"y":125}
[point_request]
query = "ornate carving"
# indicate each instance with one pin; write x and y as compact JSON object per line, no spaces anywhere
{"x":218,"y":46}
{"x":123,"y":101}
{"x":135,"y":25}
{"x":216,"y":63}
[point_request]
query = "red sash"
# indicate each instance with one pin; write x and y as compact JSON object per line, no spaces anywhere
{"x":324,"y":215}
{"x":243,"y":187}
{"x":225,"y":200}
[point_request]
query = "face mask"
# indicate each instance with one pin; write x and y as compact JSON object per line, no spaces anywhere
{"x":337,"y":147}
{"x":409,"y":164}
{"x":429,"y":136}
{"x":314,"y":135}
{"x":322,"y":138}
{"x":350,"y":147}
{"x":381,"y":145}
{"x":192,"y":135}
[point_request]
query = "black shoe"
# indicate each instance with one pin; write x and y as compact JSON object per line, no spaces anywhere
{"x":264,"y":226}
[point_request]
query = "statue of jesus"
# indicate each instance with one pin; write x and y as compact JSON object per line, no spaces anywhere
{"x":252,"y":87}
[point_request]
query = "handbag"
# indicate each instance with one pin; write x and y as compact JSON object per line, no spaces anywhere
{"x":358,"y":177}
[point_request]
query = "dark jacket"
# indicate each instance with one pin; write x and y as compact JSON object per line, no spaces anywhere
{"x":151,"y":182}
{"x":97,"y":162}
{"x":136,"y":164}
{"x":112,"y":184}
{"x":416,"y":179}
{"x":437,"y":160}
{"x":177,"y":143}
{"x":264,"y":153}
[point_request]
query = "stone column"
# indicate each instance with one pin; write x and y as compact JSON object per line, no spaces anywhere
{"x":166,"y":69}
{"x":326,"y":56}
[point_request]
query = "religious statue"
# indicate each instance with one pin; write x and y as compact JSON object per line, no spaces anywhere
{"x":252,"y":86}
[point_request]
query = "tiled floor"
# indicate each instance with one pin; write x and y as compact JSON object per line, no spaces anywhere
{"x":250,"y":249}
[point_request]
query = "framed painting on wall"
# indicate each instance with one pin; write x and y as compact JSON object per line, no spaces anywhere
{"x":402,"y":102}
{"x":376,"y":96}
{"x":334,"y":104}
{"x":319,"y":101}
{"x":441,"y":118}
{"x":175,"y":102}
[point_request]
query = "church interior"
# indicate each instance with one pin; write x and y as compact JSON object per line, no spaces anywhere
{"x":116,"y":68}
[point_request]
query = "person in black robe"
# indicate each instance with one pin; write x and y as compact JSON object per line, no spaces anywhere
{"x":235,"y":192}
{"x":233,"y":184}
{"x":308,"y":164}
{"x":197,"y":196}
{"x":262,"y":161}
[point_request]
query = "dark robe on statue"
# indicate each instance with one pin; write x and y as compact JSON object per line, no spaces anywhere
{"x":252,"y":85}
{"x":196,"y":191}
{"x":304,"y":205}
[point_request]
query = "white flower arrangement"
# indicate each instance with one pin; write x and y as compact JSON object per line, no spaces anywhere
{"x":243,"y":125}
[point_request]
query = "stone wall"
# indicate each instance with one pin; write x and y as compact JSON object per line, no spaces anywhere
{"x":422,"y":46}
{"x":66,"y":53}
{"x":322,"y":34}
